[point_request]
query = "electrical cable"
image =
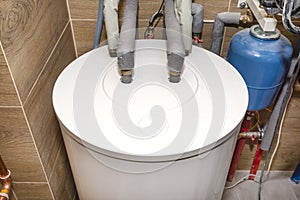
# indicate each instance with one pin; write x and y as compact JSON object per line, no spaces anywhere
{"x":257,"y":121}
{"x":268,"y":109}
{"x":156,"y":15}
{"x":279,"y":135}
{"x":241,"y":180}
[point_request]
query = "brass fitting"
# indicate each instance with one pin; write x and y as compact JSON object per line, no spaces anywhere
{"x":247,"y":18}
{"x":249,"y":135}
{"x":174,"y":77}
{"x":126,"y":76}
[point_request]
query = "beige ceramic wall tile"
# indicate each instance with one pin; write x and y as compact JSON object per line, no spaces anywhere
{"x":39,"y":109}
{"x":8,"y":95}
{"x":206,"y":35}
{"x":32,"y":191}
{"x":61,"y":180}
{"x":213,"y":7}
{"x":17,"y":148}
{"x":29,"y":31}
{"x":84,"y":35}
{"x":229,"y":32}
{"x":86,"y":9}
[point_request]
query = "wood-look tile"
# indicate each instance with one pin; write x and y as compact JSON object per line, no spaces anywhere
{"x":213,"y":7}
{"x":38,"y":107}
{"x":12,"y":197}
{"x":235,"y":8}
{"x":229,"y":32}
{"x":11,"y":194}
{"x":76,"y":197}
{"x":29,"y":31}
{"x":17,"y":148}
{"x":206,"y":35}
{"x":32,"y":191}
{"x":88,"y":9}
{"x":84,"y":35}
{"x":61,"y":180}
{"x":8,"y":94}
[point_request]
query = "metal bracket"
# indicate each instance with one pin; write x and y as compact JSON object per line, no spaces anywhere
{"x":267,"y":23}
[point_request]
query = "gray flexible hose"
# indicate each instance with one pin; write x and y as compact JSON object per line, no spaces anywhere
{"x":126,"y":43}
{"x":175,"y":48}
{"x":286,"y":17}
{"x":198,"y":16}
{"x":99,"y":25}
{"x":218,"y":29}
{"x":281,"y":103}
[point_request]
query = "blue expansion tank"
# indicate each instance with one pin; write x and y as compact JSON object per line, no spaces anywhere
{"x":262,"y":58}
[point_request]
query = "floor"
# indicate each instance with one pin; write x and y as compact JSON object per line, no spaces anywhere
{"x":277,"y":186}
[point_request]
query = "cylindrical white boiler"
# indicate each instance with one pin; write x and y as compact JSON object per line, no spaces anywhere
{"x":150,"y":139}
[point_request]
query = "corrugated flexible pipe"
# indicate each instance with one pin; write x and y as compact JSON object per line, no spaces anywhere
{"x":175,"y":47}
{"x":5,"y":176}
{"x":126,"y":43}
{"x":218,"y":29}
{"x":287,"y":17}
{"x":99,"y":25}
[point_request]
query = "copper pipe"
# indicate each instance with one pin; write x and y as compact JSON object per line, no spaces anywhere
{"x":7,"y":181}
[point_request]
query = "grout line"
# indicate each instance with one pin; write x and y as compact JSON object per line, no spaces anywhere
{"x":10,"y":106}
{"x":72,"y":28}
{"x":74,"y":196}
{"x":24,"y":113}
{"x":87,"y":20}
{"x":11,"y":76}
{"x":29,"y":128}
{"x":56,"y":158}
{"x":229,"y":4}
{"x":21,"y":182}
{"x":43,"y":68}
{"x":14,"y":194}
{"x":39,"y":156}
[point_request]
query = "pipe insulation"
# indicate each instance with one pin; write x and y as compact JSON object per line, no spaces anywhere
{"x":112,"y":25}
{"x":198,"y":16}
{"x":280,"y":105}
{"x":218,"y":29}
{"x":175,"y":46}
{"x":99,"y":25}
{"x":126,"y":43}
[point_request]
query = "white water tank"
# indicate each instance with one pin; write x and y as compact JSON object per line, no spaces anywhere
{"x":151,"y":139}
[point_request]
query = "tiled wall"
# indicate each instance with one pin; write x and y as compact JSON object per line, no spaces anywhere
{"x":36,"y":45}
{"x":83,"y":18}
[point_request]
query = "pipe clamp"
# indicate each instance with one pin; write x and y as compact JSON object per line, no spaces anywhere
{"x":6,"y":177}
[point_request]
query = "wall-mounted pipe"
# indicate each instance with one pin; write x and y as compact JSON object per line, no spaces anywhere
{"x":218,"y":29}
{"x":198,"y":16}
{"x":126,"y":43}
{"x":175,"y":46}
{"x":99,"y":25}
{"x":5,"y":176}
